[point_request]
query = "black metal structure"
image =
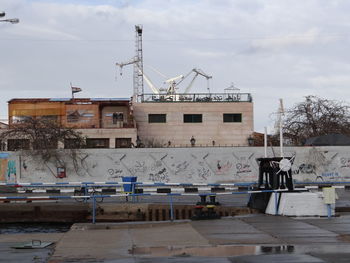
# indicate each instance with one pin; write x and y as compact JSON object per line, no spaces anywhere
{"x":272,"y":176}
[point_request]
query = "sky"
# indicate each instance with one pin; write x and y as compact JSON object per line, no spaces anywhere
{"x":270,"y":48}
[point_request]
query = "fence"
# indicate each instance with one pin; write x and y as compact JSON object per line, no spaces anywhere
{"x":92,"y":197}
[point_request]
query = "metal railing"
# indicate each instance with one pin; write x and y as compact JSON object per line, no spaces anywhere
{"x":197,"y":97}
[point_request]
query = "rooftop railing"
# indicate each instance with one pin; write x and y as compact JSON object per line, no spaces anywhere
{"x":197,"y":97}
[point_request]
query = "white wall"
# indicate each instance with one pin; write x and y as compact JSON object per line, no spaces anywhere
{"x":207,"y":165}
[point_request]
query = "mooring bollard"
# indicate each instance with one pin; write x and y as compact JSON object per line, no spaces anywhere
{"x":203,"y":199}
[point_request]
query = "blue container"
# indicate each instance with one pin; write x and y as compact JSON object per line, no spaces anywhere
{"x":129,"y":188}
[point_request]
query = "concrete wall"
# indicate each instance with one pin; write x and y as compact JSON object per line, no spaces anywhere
{"x":211,"y":129}
{"x":206,"y":165}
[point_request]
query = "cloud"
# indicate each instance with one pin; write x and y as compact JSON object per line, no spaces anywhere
{"x":278,"y":42}
{"x":275,"y":48}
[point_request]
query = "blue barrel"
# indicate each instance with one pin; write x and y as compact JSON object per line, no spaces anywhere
{"x":129,"y":188}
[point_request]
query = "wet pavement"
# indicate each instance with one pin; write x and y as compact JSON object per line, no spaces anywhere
{"x":251,"y":239}
{"x":254,"y":238}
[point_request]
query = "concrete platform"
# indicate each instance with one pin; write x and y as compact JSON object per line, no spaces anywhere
{"x":253,"y":238}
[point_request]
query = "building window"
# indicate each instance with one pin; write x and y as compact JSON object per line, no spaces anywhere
{"x":97,"y":143}
{"x":73,"y":144}
{"x":18,"y":144}
{"x":20,"y":119}
{"x":123,"y":143}
{"x":232,"y":117}
{"x":192,"y":118}
{"x":47,"y":143}
{"x":117,"y":117}
{"x":156,"y":118}
{"x":80,"y":116}
{"x":51,"y":118}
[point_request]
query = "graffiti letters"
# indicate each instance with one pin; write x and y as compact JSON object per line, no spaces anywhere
{"x":160,"y":176}
{"x":243,"y":168}
{"x":305,"y":169}
{"x":115,"y":173}
{"x":140,"y":167}
{"x":223,"y":168}
{"x":181,"y":167}
{"x":344,"y":162}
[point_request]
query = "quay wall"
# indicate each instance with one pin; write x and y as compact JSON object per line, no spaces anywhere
{"x":172,"y":165}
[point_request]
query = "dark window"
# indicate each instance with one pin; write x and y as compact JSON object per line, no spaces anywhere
{"x":232,"y":117}
{"x":156,"y":118}
{"x":17,"y":144}
{"x":123,"y":143}
{"x":73,"y":144}
{"x":53,"y":118}
{"x":47,"y":143}
{"x":117,"y":117}
{"x":191,"y":118}
{"x":97,"y":143}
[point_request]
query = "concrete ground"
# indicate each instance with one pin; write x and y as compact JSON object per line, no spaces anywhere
{"x":253,"y":238}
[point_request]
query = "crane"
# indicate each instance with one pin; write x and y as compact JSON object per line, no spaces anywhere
{"x":197,"y":72}
{"x":135,"y":61}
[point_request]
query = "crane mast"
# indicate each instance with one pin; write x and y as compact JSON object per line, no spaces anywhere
{"x":138,"y":65}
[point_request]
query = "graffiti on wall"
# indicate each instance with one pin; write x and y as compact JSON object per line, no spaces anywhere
{"x":7,"y":169}
{"x":189,"y":165}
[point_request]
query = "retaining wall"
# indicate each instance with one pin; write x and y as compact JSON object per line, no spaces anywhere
{"x":173,"y":165}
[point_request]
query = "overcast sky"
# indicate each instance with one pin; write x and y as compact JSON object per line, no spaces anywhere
{"x":270,"y":48}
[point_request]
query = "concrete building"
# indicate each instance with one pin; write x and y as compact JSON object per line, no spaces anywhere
{"x":179,"y":120}
{"x":224,"y":119}
{"x":107,"y":123}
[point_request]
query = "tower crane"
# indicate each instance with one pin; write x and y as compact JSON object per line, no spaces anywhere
{"x":135,"y":61}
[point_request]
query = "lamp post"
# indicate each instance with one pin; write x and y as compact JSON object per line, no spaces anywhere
{"x":193,"y":141}
{"x":9,"y":20}
{"x":250,"y":140}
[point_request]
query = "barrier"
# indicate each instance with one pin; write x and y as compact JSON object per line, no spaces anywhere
{"x":93,"y":198}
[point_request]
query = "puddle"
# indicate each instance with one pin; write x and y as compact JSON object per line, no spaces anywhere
{"x":24,"y":228}
{"x":211,"y":251}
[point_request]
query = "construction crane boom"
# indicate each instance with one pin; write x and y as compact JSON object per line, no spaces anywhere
{"x":197,"y":72}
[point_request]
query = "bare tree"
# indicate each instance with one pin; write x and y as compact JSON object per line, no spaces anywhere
{"x":315,"y":117}
{"x":45,"y":136}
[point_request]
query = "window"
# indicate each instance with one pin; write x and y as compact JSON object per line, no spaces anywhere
{"x":21,"y":119}
{"x":45,"y":143}
{"x":73,"y":144}
{"x":17,"y":144}
{"x":117,"y":117}
{"x":123,"y":143}
{"x":232,"y":117}
{"x":156,"y":118}
{"x":53,"y":118}
{"x":97,"y":143}
{"x":192,"y":118}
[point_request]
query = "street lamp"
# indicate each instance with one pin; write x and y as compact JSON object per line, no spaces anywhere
{"x":10,"y":20}
{"x":193,"y":141}
{"x":250,"y":140}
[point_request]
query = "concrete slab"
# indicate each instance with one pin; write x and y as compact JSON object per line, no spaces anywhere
{"x":281,"y":258}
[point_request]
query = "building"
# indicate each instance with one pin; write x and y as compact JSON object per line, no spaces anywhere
{"x":107,"y":123}
{"x":157,"y":120}
{"x":224,"y":119}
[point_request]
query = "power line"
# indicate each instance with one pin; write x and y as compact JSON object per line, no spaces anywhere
{"x":185,"y":40}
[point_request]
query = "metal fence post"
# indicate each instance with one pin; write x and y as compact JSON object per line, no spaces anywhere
{"x":171,"y":208}
{"x":276,"y":203}
{"x":86,"y":192}
{"x":93,"y":209}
